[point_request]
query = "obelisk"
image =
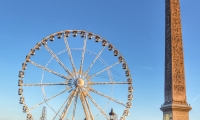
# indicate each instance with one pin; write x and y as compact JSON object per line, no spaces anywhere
{"x":175,"y":106}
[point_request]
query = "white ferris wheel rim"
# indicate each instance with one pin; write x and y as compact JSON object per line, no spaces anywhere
{"x":78,"y":90}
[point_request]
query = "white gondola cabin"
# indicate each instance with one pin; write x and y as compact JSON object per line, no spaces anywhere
{"x":59,"y":35}
{"x":21,"y":100}
{"x":82,"y":34}
{"x":21,"y":74}
{"x":127,"y":73}
{"x":130,"y":89}
{"x":120,"y":59}
{"x":24,"y":66}
{"x":104,"y":42}
{"x":116,"y":52}
{"x":29,"y":116}
{"x":130,"y":97}
{"x":128,"y":105}
{"x":90,"y":36}
{"x":51,"y":38}
{"x":110,"y":47}
{"x":122,"y":118}
{"x":32,"y":52}
{"x":38,"y":46}
{"x":74,"y":33}
{"x":97,"y":39}
{"x":25,"y":109}
{"x":124,"y":66}
{"x":129,"y":80}
{"x":67,"y":33}
{"x":44,"y":41}
{"x":28,"y":58}
{"x":20,"y":90}
{"x":20,"y":82}
{"x":126,"y":112}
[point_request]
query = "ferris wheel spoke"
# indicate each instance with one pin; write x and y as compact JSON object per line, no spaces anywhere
{"x":83,"y":54}
{"x":103,"y":83}
{"x":70,"y":55}
{"x":105,"y":69}
{"x":68,"y":105}
{"x":84,"y":107}
{"x":62,"y":107}
{"x":98,"y":107}
{"x":110,"y":98}
{"x":88,"y":106}
{"x":78,"y":78}
{"x":75,"y":102}
{"x":57,"y":59}
{"x":45,"y":84}
{"x":47,"y":69}
{"x":47,"y":100}
{"x":97,"y":56}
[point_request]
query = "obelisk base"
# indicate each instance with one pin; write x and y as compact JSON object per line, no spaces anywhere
{"x":174,"y":111}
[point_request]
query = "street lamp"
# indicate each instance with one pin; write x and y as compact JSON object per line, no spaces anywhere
{"x":113,"y":116}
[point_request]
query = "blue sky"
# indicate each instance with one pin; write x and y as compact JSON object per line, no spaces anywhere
{"x":135,"y":27}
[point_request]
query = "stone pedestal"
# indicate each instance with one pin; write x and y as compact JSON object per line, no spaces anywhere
{"x":174,"y":111}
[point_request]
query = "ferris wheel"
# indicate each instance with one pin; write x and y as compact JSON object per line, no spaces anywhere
{"x":87,"y":70}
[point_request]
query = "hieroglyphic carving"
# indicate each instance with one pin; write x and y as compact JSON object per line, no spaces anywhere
{"x":178,"y":75}
{"x":180,"y":115}
{"x":174,"y":64}
{"x":175,"y":106}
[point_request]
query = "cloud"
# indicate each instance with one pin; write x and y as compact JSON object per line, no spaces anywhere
{"x":196,"y":98}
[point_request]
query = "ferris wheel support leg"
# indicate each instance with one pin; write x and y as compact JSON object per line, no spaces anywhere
{"x":75,"y":102}
{"x":83,"y":104}
{"x":68,"y":105}
{"x":61,"y":107}
{"x":88,"y":106}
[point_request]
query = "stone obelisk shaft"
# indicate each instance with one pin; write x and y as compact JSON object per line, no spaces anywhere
{"x":175,"y":106}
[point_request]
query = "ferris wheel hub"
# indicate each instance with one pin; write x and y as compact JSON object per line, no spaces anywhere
{"x":80,"y":82}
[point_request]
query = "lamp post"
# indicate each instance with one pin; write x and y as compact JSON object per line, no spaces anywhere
{"x":113,"y":116}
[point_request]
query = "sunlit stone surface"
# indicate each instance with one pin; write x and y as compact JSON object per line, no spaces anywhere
{"x":175,"y":106}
